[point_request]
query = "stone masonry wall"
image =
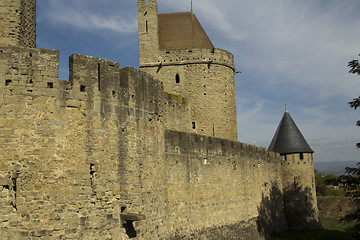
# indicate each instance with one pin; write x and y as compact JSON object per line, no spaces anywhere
{"x":10,"y":20}
{"x":219,"y":189}
{"x":211,"y":92}
{"x":90,"y":158}
{"x":177,"y":112}
{"x":148,"y":30}
{"x":300,"y":192}
{"x":27,"y":37}
{"x":18,"y":23}
{"x":79,"y":157}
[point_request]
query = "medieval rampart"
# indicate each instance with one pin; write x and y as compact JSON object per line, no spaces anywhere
{"x":222,"y":189}
{"x":75,"y":155}
{"x":90,"y":158}
{"x":124,"y":154}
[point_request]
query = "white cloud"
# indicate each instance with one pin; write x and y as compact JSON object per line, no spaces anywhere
{"x":87,"y":15}
{"x":91,"y":21}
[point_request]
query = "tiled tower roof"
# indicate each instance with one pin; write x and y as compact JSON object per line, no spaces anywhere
{"x":288,"y":138}
{"x":180,"y":31}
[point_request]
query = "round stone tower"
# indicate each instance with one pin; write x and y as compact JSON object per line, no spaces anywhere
{"x":175,"y":49}
{"x":18,"y":25}
{"x":297,"y":175}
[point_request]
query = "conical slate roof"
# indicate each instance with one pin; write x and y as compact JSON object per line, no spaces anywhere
{"x":288,"y":138}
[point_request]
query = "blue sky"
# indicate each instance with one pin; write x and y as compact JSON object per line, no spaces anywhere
{"x":289,"y":52}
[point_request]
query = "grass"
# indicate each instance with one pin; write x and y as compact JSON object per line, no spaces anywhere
{"x":332,"y":230}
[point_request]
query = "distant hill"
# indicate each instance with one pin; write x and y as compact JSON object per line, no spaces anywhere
{"x":337,"y":168}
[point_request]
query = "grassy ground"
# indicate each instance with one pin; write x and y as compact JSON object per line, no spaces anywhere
{"x":332,"y":230}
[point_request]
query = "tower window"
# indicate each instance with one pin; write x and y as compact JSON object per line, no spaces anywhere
{"x":146,"y":26}
{"x":193,"y":125}
{"x":301,"y":156}
{"x":285,"y":158}
{"x":177,"y":78}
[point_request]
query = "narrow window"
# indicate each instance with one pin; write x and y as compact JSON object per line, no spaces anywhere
{"x":285,"y":158}
{"x":82,"y":88}
{"x":99,"y":77}
{"x":14,"y":187}
{"x":301,"y":156}
{"x":50,"y":85}
{"x":146,"y":26}
{"x":92,"y":178}
{"x":193,"y":125}
{"x":177,"y":78}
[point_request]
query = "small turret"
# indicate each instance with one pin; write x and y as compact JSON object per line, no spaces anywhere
{"x":298,"y":175}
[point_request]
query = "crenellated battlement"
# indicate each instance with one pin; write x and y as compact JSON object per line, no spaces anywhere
{"x":147,"y":3}
{"x":92,"y":81}
{"x":188,"y":143}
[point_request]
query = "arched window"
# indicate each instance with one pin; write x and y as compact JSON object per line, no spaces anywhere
{"x":177,"y":78}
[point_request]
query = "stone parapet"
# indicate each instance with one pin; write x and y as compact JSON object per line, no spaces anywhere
{"x":191,"y":56}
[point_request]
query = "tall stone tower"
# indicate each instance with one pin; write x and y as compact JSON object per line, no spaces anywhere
{"x":298,"y":175}
{"x":18,"y":23}
{"x":175,"y":49}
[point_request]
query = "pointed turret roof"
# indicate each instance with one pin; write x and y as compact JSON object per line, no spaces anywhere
{"x":180,"y":31}
{"x":288,"y":138}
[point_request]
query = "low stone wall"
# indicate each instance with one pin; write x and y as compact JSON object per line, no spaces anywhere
{"x":335,"y":207}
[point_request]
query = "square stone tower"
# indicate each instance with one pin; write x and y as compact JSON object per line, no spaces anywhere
{"x":18,"y":23}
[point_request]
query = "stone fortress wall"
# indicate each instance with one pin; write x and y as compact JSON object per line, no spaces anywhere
{"x":106,"y":155}
{"x":76,"y":155}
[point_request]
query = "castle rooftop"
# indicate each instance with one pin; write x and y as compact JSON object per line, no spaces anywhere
{"x":288,"y":138}
{"x":181,"y":30}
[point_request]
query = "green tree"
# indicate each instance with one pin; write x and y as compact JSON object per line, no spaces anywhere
{"x":352,"y":176}
{"x":324,"y":183}
{"x":354,"y":66}
{"x":352,"y":180}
